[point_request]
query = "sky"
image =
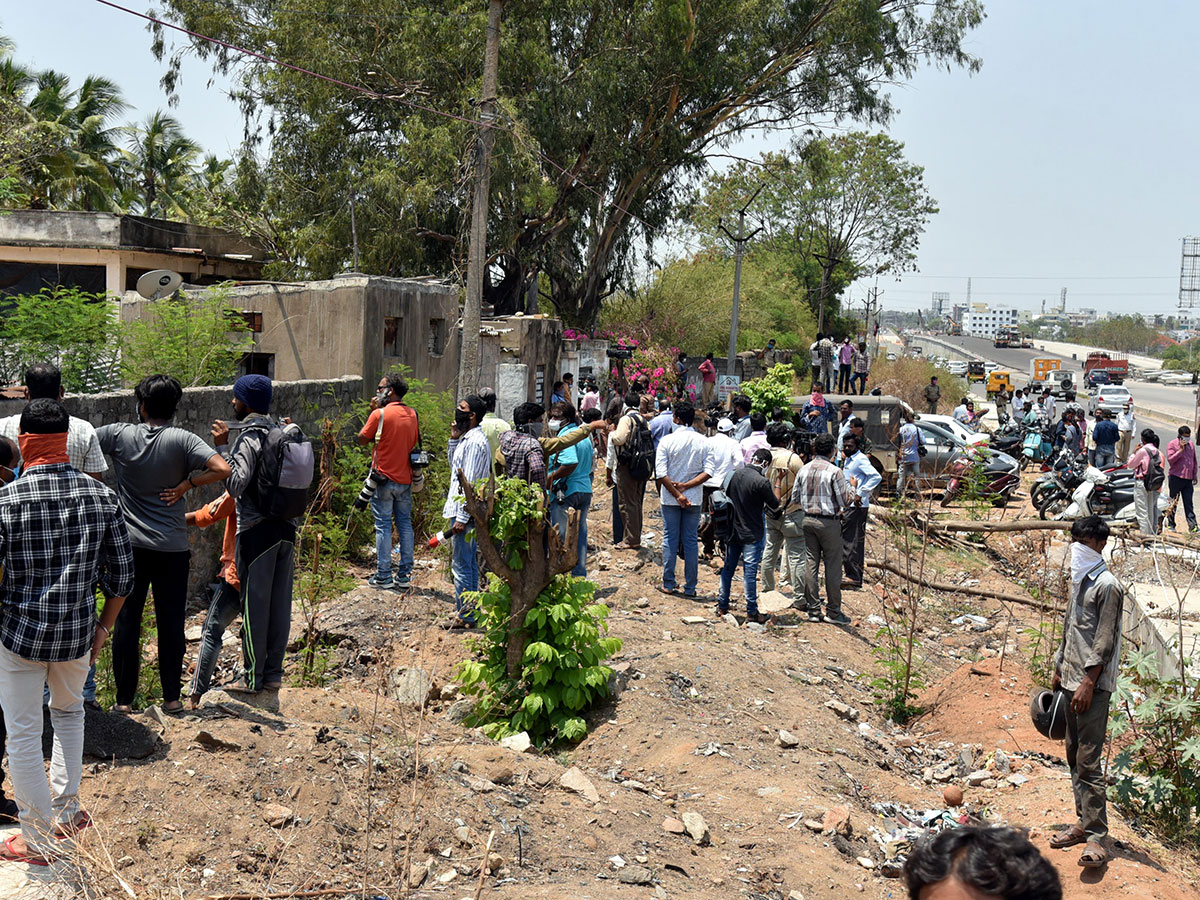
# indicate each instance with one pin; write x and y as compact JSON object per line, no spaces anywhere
{"x":1065,"y":162}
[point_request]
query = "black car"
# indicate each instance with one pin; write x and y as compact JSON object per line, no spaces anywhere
{"x":1097,"y":377}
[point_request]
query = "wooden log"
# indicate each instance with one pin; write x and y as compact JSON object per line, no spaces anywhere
{"x":956,"y":588}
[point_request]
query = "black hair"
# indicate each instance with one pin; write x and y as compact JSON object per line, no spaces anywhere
{"x":564,"y":411}
{"x":846,"y":402}
{"x":757,"y":421}
{"x":9,"y":453}
{"x":850,"y":437}
{"x":528,"y":412}
{"x":487,"y":395}
{"x":685,"y":412}
{"x":856,"y":422}
{"x":591,"y":415}
{"x":567,"y":376}
{"x":741,"y":401}
{"x":819,"y":335}
{"x":160,"y":394}
{"x":779,"y":434}
{"x":1090,"y":528}
{"x":633,"y":400}
{"x":999,"y":862}
{"x":1183,"y":429}
{"x":397,"y":383}
{"x":44,"y":416}
{"x":682,"y":355}
{"x":557,"y":386}
{"x":43,"y":380}
{"x":762,"y":455}
{"x":708,"y":355}
{"x":710,"y":422}
{"x":476,"y":405}
{"x":778,"y":414}
{"x":823,"y":444}
{"x":1149,"y":436}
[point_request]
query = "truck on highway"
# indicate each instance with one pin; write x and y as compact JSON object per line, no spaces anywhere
{"x":1115,"y":364}
{"x":1004,"y":338}
{"x":1026,"y":342}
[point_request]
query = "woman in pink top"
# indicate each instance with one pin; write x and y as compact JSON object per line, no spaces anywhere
{"x":1181,"y":454}
{"x":1145,"y":497}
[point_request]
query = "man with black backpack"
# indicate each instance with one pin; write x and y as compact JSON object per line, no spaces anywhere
{"x":749,"y":493}
{"x":272,"y":468}
{"x":1148,"y":478}
{"x":635,"y":464}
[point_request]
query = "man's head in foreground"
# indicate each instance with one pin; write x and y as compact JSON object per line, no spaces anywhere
{"x":980,"y":864}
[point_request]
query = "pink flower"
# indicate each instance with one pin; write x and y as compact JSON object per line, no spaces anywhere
{"x":658,"y":373}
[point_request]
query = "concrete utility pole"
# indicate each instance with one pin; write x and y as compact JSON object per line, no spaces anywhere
{"x":739,"y":246}
{"x":468,"y":364}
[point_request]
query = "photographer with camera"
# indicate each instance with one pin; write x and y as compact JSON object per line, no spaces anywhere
{"x":396,"y":433}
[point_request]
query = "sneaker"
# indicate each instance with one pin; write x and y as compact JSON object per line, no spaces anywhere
{"x":1193,"y":529}
{"x":376,"y":581}
{"x":815,"y":617}
{"x":402,"y":582}
{"x":837,"y":618}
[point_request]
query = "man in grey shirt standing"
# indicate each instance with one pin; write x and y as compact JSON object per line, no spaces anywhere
{"x":153,"y":462}
{"x":1086,"y":667}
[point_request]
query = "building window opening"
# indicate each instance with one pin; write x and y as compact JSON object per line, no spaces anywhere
{"x":437,"y":337}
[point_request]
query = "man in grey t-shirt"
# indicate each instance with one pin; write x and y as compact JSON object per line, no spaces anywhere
{"x":153,"y":462}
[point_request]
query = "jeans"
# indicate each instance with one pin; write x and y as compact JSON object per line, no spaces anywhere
{"x":787,"y":534}
{"x":1104,"y":458}
{"x":844,"y":377}
{"x":43,"y":805}
{"x":1184,"y":488}
{"x":225,"y":607}
{"x":681,"y":526}
{"x":165,"y":572}
{"x":618,"y":523}
{"x":823,"y":538}
{"x":749,"y":555}
{"x":464,"y":565}
{"x":827,"y":369}
{"x":908,"y":470}
{"x":392,"y":503}
{"x":558,"y":515}
{"x":1085,"y":753}
{"x":266,"y":563}
{"x":861,"y":378}
{"x":854,"y":533}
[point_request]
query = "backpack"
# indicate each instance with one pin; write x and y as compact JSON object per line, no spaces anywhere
{"x":721,"y":512}
{"x":284,"y":472}
{"x":1154,"y":478}
{"x":638,"y":453}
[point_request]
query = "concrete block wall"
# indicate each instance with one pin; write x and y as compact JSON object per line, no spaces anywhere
{"x":306,"y":402}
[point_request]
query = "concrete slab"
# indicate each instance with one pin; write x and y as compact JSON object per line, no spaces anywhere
{"x":1152,"y":618}
{"x":26,"y":882}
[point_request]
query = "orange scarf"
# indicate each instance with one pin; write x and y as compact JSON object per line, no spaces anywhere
{"x":42,"y":449}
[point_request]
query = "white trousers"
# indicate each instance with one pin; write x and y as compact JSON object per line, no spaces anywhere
{"x":43,"y":805}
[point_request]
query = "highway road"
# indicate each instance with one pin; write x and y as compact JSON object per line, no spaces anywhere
{"x":1175,"y":400}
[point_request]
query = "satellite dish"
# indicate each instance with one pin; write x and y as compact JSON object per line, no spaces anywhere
{"x":159,"y":283}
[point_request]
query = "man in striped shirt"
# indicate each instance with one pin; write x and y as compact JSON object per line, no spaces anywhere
{"x":470,"y":454}
{"x":821,"y":491}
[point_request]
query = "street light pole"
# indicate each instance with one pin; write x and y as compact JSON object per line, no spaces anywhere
{"x":739,"y":245}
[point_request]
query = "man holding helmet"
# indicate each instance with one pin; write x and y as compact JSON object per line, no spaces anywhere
{"x":1086,"y":669}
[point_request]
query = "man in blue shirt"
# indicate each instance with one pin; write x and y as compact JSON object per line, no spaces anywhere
{"x":909,"y":457}
{"x":662,"y":424}
{"x":862,"y":479}
{"x":1106,"y":434}
{"x":571,"y":479}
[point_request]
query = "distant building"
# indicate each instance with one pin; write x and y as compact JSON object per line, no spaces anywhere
{"x":983,"y":320}
{"x":107,"y":253}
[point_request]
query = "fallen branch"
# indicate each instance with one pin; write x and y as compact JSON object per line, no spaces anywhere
{"x":955,"y":588}
{"x":286,"y":895}
{"x":915,"y":521}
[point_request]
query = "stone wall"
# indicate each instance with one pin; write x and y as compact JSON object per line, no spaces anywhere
{"x":306,"y":402}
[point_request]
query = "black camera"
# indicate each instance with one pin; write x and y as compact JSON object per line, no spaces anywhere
{"x":370,"y":483}
{"x":620,"y":353}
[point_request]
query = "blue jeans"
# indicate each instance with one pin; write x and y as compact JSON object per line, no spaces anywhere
{"x":681,"y":525}
{"x":750,"y":555}
{"x":558,"y":515}
{"x":392,"y":502}
{"x":464,"y":565}
{"x":225,"y":607}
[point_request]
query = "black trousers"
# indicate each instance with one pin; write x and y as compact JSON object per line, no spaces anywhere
{"x":854,"y":534}
{"x":165,"y":573}
{"x":1184,"y":488}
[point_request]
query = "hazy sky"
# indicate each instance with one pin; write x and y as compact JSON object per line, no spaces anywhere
{"x":1063,"y":163}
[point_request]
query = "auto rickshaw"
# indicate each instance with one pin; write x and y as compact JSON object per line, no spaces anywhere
{"x":976,"y":371}
{"x":998,"y":383}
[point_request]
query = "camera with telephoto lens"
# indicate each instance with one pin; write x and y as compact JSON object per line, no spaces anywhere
{"x":370,"y":483}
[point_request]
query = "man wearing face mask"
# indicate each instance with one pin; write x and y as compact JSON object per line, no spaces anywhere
{"x":1086,"y":666}
{"x":469,"y":457}
{"x":394,"y":429}
{"x":515,"y":454}
{"x":1181,"y":455}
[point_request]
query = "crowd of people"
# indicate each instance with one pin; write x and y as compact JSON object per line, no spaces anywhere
{"x":65,"y":535}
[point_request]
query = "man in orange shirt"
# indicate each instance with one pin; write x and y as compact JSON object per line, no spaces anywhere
{"x":395,"y":430}
{"x":227,"y":601}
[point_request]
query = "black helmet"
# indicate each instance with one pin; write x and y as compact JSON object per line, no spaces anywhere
{"x":1049,"y":712}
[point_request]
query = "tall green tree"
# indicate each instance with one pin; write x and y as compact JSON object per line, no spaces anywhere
{"x":161,"y":167}
{"x":608,"y":113}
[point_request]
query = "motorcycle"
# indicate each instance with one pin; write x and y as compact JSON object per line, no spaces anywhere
{"x":996,"y":487}
{"x":1109,"y":495}
{"x":1052,"y":481}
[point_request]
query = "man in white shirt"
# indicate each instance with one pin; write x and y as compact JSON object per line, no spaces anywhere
{"x":684,"y":462}
{"x":727,"y":458}
{"x":1049,"y":406}
{"x":1018,"y":405}
{"x":83,"y":448}
{"x":1126,"y":426}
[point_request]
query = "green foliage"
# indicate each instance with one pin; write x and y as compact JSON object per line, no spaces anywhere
{"x":776,"y":388}
{"x":627,"y":97}
{"x":321,"y":574}
{"x":198,"y":338}
{"x":899,"y":680}
{"x":1155,"y":725}
{"x":149,"y":686}
{"x":73,"y":328}
{"x":562,"y":674}
{"x":1129,"y":334}
{"x":1045,"y":637}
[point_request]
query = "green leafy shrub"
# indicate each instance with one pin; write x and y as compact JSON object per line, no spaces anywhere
{"x":773,"y":389}
{"x":75,"y":329}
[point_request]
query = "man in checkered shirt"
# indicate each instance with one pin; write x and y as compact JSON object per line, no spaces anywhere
{"x":83,"y":447}
{"x":61,"y":533}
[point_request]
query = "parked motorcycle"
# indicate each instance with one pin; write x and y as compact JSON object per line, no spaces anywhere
{"x":998,"y":487}
{"x":1108,"y":494}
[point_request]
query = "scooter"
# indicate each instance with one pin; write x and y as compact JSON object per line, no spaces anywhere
{"x":1035,"y":448}
{"x":1108,"y":495}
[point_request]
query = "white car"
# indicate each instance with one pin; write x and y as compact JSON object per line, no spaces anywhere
{"x":957,"y":367}
{"x":1109,"y":397}
{"x":956,"y":428}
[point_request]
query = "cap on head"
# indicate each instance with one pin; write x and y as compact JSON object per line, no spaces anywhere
{"x":255,"y":391}
{"x":724,"y":426}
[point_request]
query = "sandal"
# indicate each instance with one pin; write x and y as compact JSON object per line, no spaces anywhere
{"x":1068,"y":838}
{"x":8,"y":854}
{"x":64,"y":830}
{"x":176,"y":710}
{"x":1094,"y":856}
{"x":663,"y":589}
{"x":122,"y":709}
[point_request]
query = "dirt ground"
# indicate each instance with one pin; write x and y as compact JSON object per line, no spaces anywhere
{"x":345,"y":787}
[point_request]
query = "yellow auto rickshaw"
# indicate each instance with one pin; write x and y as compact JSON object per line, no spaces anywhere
{"x":998,"y":382}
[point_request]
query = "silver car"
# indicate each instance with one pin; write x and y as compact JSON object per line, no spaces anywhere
{"x":1110,"y":398}
{"x":943,"y":448}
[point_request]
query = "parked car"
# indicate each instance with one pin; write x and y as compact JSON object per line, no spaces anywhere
{"x":956,"y":428}
{"x":1110,"y":398}
{"x":957,"y":367}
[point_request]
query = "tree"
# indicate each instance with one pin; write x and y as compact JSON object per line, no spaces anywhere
{"x":846,"y":207}
{"x":161,"y":167}
{"x":72,"y":328}
{"x":608,"y":113}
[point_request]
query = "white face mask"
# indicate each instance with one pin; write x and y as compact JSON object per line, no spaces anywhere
{"x":555,"y":424}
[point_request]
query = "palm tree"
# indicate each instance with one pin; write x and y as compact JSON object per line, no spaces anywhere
{"x":161,"y":167}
